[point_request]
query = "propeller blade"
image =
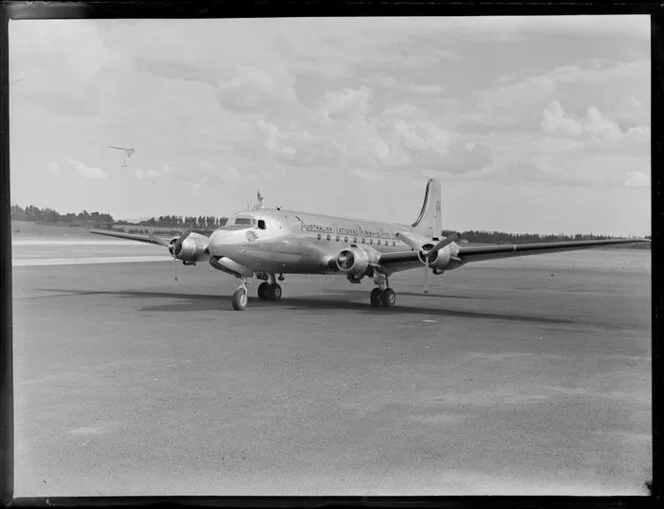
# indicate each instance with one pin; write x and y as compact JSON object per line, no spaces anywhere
{"x":426,"y":278}
{"x":446,"y":241}
{"x":175,"y":272}
{"x":410,"y":241}
{"x":157,"y":240}
{"x":177,"y":245}
{"x":184,"y":235}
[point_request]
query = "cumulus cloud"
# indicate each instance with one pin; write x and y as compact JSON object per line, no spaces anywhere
{"x":576,"y":86}
{"x":254,"y":89}
{"x":595,"y":125}
{"x":339,"y":104}
{"x":88,"y":171}
{"x":294,"y":147}
{"x":557,"y":122}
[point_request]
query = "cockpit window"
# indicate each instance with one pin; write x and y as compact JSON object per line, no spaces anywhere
{"x":245,"y":220}
{"x":261,"y":224}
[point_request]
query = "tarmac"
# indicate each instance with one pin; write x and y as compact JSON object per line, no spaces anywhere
{"x":529,"y":376}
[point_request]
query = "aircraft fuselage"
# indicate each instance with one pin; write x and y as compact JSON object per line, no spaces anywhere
{"x":288,"y":241}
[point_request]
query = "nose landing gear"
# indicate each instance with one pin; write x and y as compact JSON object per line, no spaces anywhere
{"x":240,"y":296}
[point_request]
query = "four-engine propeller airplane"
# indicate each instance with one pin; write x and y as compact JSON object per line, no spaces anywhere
{"x":264,"y":242}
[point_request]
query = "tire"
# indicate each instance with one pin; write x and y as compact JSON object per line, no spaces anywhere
{"x":263,"y":291}
{"x":239,"y":299}
{"x":375,"y":298}
{"x":275,"y":292}
{"x":388,"y":297}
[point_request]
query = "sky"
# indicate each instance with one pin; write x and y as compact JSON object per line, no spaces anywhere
{"x":532,"y":124}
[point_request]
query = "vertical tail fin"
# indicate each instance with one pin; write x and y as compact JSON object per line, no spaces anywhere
{"x":430,"y":221}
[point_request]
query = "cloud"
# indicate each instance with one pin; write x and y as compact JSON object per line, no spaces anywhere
{"x":225,"y":173}
{"x":294,"y":147}
{"x":406,"y":85}
{"x":345,"y":103}
{"x":594,"y":125}
{"x":53,"y":166}
{"x":88,"y":171}
{"x":52,"y":52}
{"x":253,"y":89}
{"x":557,"y":122}
{"x":576,"y":86}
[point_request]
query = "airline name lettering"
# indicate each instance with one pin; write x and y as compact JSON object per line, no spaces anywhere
{"x":318,"y":228}
{"x":347,"y":230}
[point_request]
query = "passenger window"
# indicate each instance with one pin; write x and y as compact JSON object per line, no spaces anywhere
{"x":363,"y":241}
{"x":394,"y":242}
{"x":370,"y":241}
{"x":337,"y":238}
{"x":319,"y":236}
{"x":261,"y":224}
{"x":328,"y":237}
{"x":346,"y":240}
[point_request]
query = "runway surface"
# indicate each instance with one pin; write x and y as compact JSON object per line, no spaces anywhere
{"x":526,"y":376}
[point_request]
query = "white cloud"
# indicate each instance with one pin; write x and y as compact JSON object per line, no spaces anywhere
{"x":557,"y":122}
{"x":595,"y":125}
{"x":88,"y":171}
{"x":53,"y":166}
{"x":346,"y":103}
{"x":254,"y":89}
{"x":600,"y":127}
{"x":576,"y":86}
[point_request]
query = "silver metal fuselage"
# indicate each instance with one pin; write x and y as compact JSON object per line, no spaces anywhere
{"x":286,"y":241}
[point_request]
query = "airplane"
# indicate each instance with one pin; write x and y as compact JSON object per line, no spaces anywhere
{"x":264,"y":242}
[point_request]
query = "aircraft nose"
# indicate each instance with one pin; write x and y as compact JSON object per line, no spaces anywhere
{"x":221,"y":242}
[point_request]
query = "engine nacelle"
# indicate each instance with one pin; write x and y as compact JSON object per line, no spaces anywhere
{"x":192,"y":250}
{"x":356,"y":260}
{"x":438,"y":260}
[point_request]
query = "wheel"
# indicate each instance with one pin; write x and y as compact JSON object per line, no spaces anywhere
{"x":274,"y":292}
{"x":263,"y":291}
{"x":240,"y":299}
{"x":375,"y":299}
{"x":388,"y":297}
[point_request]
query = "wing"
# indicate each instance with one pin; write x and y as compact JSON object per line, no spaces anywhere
{"x":407,"y":259}
{"x":480,"y":253}
{"x":150,"y":239}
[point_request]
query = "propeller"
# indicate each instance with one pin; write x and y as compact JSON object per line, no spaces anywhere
{"x":176,"y":247}
{"x":427,"y":253}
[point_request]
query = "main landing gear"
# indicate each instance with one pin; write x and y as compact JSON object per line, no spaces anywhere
{"x":269,"y":291}
{"x":382,"y":297}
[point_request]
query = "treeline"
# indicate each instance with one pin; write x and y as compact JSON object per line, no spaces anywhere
{"x":204,"y":222}
{"x":47,"y":215}
{"x":50,"y":216}
{"x":494,"y":237}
